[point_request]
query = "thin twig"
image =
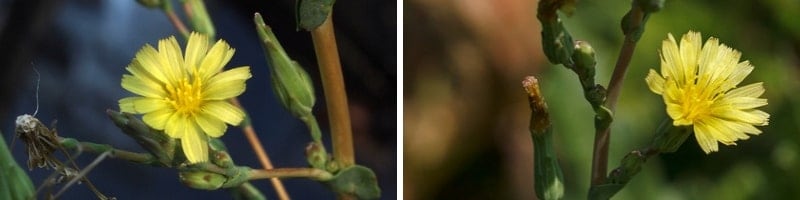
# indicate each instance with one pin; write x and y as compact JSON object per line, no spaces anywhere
{"x":174,"y":19}
{"x":250,"y":133}
{"x":330,"y":67}
{"x":82,"y":175}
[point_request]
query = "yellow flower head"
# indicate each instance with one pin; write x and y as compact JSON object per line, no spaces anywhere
{"x":185,"y":94}
{"x":698,"y":84}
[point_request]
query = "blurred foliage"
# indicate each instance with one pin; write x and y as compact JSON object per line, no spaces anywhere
{"x":465,"y":114}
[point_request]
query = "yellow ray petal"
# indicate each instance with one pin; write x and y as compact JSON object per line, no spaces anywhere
{"x":215,"y":60}
{"x":170,"y":59}
{"x":224,"y":111}
{"x":752,"y":90}
{"x":196,"y":49}
{"x":147,"y":59}
{"x":227,"y":84}
{"x":158,"y":119}
{"x":671,"y":65}
{"x":755,"y":117}
{"x":126,"y":104}
{"x":177,"y":125}
{"x":740,"y":71}
{"x":719,"y":130}
{"x":141,"y":87}
{"x":741,"y":103}
{"x":655,"y":82}
{"x":146,"y":105}
{"x":211,"y":125}
{"x":138,"y":71}
{"x":703,"y":136}
{"x":690,"y":50}
{"x":195,"y":145}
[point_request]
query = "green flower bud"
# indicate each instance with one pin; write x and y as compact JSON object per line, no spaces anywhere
{"x":585,"y":60}
{"x":669,"y":138}
{"x":202,"y":180}
{"x":316,"y":155}
{"x":290,"y":81}
{"x":154,"y":141}
{"x":199,"y":18}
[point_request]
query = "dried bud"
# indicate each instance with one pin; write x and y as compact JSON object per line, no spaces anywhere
{"x":540,"y":119}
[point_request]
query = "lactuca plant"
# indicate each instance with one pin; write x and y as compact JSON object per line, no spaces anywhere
{"x":185,"y":95}
{"x":698,"y":85}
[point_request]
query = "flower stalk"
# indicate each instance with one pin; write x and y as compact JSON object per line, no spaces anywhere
{"x":633,"y":24}
{"x":668,"y":139}
{"x":335,"y":96}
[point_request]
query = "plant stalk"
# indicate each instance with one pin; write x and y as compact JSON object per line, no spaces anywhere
{"x":330,"y":67}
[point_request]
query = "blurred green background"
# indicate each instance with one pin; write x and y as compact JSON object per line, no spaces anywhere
{"x":465,"y":113}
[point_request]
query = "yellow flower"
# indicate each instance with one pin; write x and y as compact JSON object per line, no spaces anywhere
{"x":699,"y":88}
{"x":185,"y":94}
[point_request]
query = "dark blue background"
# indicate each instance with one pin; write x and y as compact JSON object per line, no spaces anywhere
{"x":82,"y":47}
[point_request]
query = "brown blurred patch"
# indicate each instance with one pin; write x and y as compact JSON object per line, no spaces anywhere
{"x":465,"y":113}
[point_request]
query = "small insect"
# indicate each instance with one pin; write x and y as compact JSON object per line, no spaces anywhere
{"x":41,"y":143}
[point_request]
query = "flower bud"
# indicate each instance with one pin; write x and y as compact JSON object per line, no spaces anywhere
{"x":584,"y":60}
{"x":316,"y":155}
{"x":202,"y":180}
{"x":290,"y":81}
{"x":154,"y":141}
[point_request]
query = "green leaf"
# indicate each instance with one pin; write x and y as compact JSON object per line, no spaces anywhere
{"x":311,"y":13}
{"x":356,"y":180}
{"x":14,"y":183}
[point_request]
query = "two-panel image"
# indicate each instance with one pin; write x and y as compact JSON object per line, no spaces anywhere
{"x":413,"y":99}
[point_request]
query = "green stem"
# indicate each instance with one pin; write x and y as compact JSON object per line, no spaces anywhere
{"x":174,"y":19}
{"x":312,"y":173}
{"x":141,"y":158}
{"x":668,"y":139}
{"x":313,"y":126}
{"x":633,"y":27}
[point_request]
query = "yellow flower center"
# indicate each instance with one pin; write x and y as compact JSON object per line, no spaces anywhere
{"x":696,"y":103}
{"x":186,"y":96}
